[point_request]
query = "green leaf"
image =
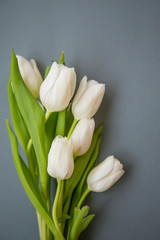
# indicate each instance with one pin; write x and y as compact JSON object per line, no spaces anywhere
{"x":34,"y":119}
{"x":81,"y":163}
{"x":61,"y":61}
{"x":61,"y":122}
{"x":63,"y":218}
{"x":69,"y":119}
{"x":18,"y":122}
{"x":47,"y":71}
{"x":50,"y":127}
{"x":28,"y":183}
{"x":82,"y":186}
{"x":21,"y":131}
{"x":79,"y":222}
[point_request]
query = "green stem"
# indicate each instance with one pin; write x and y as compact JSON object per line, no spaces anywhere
{"x":61,"y":199}
{"x":47,"y":115}
{"x":39,"y":220}
{"x":83,"y":197}
{"x":44,"y":230}
{"x":54,"y":210}
{"x":72,"y":128}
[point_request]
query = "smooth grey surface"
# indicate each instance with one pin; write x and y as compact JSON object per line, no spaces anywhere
{"x":116,"y":42}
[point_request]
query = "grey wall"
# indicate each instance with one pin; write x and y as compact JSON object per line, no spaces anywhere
{"x":115,"y":42}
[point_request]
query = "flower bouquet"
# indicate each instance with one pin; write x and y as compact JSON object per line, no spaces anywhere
{"x":56,"y":131}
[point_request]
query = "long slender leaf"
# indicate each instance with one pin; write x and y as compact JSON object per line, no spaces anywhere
{"x":83,"y":184}
{"x":50,"y":127}
{"x":69,"y":119}
{"x":81,"y":163}
{"x":34,"y":118}
{"x":28,"y":183}
{"x":21,"y":131}
{"x":47,"y":71}
{"x":79,"y":169}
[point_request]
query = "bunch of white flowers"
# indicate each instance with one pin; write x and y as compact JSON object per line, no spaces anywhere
{"x":57,"y":136}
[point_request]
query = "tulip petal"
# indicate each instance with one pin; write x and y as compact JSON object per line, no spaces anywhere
{"x":57,"y":89}
{"x":30,"y":74}
{"x":105,"y":174}
{"x":88,"y":98}
{"x":60,"y":159}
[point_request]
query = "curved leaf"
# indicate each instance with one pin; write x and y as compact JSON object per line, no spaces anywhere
{"x":50,"y":127}
{"x":82,"y":186}
{"x":79,"y":222}
{"x":69,"y":119}
{"x":47,"y":71}
{"x":34,"y":119}
{"x":28,"y":183}
{"x":21,"y":131}
{"x":81,"y":163}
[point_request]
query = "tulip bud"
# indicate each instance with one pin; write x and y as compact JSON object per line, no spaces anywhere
{"x":58,"y":88}
{"x":60,"y":158}
{"x":88,"y":98}
{"x":102,"y":177}
{"x":82,"y":136}
{"x":30,"y":74}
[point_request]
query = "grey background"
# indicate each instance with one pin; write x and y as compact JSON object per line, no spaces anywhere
{"x":116,"y":42}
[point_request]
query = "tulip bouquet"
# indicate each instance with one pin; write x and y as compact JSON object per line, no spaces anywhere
{"x":57,"y":135}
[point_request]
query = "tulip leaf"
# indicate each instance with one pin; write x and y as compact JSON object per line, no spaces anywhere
{"x":28,"y":183}
{"x":61,"y":122}
{"x":18,"y":122}
{"x":47,"y":71}
{"x":21,"y":131}
{"x":61,"y":61}
{"x":63,"y":218}
{"x":82,"y":186}
{"x":79,"y":222}
{"x":69,"y":119}
{"x":81,"y":163}
{"x":34,"y":119}
{"x":50,"y":127}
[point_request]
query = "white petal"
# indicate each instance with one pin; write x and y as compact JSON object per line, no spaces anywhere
{"x":60,"y":159}
{"x":79,"y":93}
{"x":31,"y":75}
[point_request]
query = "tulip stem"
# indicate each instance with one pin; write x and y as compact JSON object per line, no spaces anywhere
{"x":47,"y":115}
{"x":55,"y":207}
{"x":39,"y":225}
{"x":72,"y":128}
{"x":83,"y":197}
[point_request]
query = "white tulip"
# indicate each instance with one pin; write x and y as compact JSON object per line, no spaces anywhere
{"x":82,"y":136}
{"x":30,"y":74}
{"x":58,"y":88}
{"x":102,"y":177}
{"x":60,"y":158}
{"x":88,"y":98}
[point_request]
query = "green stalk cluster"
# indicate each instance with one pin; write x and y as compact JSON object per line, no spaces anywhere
{"x":35,"y":132}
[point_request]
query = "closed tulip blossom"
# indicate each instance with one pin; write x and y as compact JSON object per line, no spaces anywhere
{"x":88,"y":98}
{"x":102,"y":177}
{"x":82,"y":136}
{"x":30,"y":74}
{"x":60,"y":158}
{"x":58,"y":88}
